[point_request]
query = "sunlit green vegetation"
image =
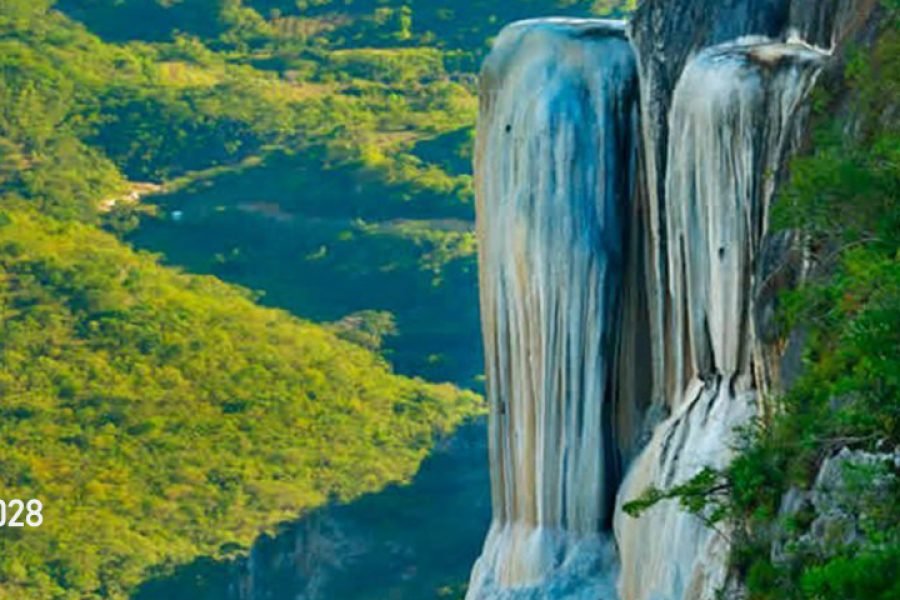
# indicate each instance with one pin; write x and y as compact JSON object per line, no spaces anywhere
{"x":161,"y":415}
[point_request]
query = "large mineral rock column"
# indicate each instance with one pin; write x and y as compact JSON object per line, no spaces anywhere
{"x":734,"y":116}
{"x":555,"y":164}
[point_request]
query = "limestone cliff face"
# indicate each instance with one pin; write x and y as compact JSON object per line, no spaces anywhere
{"x":626,"y":300}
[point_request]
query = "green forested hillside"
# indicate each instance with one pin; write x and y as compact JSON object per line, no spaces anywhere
{"x":301,"y":138}
{"x":159,"y":416}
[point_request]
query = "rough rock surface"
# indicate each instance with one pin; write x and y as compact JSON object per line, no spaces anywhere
{"x":831,"y":515}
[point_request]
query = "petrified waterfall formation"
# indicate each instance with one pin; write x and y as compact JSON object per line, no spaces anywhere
{"x":733,"y":117}
{"x":556,"y":163}
{"x":618,"y":293}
